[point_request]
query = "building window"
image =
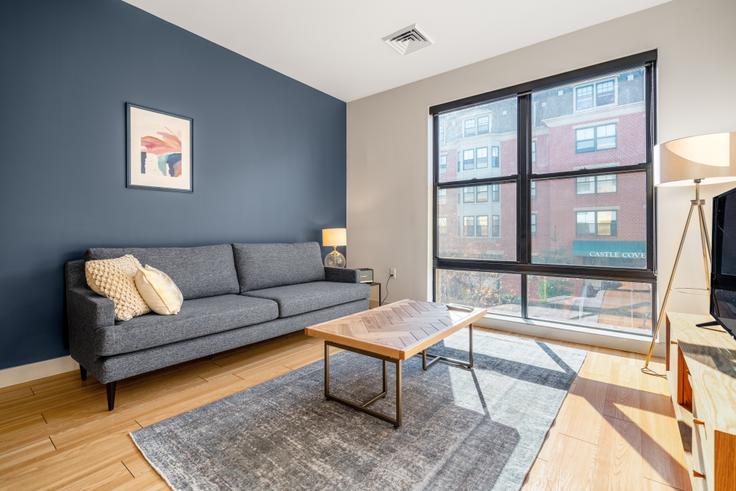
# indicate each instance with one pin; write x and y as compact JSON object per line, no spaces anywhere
{"x":607,"y":183}
{"x":442,"y":196}
{"x":605,"y":92}
{"x":468,"y":159}
{"x":481,"y":226}
{"x":495,"y":193}
{"x":596,"y":223}
{"x":481,"y":157}
{"x":534,"y":224}
{"x":534,"y":151}
{"x":585,"y":185}
{"x":469,"y":127}
{"x":469,"y":226}
{"x":590,"y":95}
{"x":469,"y":195}
{"x":495,"y":226}
{"x":481,"y":194}
{"x":533,"y":189}
{"x":442,"y":225}
{"x":593,"y":138}
{"x":484,"y":124}
{"x":443,"y":164}
{"x":495,"y":158}
{"x":584,"y":97}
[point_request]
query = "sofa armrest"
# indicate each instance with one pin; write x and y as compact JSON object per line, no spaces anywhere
{"x":341,"y":275}
{"x":88,"y":310}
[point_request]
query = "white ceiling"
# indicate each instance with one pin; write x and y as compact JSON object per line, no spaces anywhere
{"x":335,"y":45}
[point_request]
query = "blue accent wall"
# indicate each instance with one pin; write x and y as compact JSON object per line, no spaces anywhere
{"x":269,"y":152}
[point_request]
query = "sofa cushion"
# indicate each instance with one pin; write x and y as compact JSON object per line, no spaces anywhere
{"x":266,"y":265}
{"x":203,"y":271}
{"x":198,"y":317}
{"x":306,"y":297}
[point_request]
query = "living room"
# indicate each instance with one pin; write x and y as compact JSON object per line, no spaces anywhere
{"x":342,"y":245}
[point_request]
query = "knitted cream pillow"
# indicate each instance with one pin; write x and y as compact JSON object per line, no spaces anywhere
{"x":114,"y":279}
{"x":159,"y":291}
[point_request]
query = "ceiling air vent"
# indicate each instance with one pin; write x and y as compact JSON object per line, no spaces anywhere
{"x":408,"y":40}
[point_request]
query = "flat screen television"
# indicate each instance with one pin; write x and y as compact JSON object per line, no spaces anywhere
{"x":723,"y":255}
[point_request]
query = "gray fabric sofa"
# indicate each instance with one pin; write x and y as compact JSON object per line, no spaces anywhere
{"x":234,"y":295}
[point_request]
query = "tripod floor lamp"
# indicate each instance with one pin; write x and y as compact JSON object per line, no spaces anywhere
{"x":694,"y":161}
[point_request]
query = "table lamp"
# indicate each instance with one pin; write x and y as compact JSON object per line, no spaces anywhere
{"x":693,"y":161}
{"x":334,"y":237}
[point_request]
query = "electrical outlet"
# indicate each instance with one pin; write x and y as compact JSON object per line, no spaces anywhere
{"x":392,"y":272}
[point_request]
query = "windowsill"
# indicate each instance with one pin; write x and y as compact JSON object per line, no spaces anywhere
{"x":625,"y":341}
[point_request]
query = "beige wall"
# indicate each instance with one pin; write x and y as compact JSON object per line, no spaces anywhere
{"x":389,"y":179}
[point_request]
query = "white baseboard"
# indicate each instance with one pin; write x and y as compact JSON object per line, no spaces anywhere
{"x":33,"y":371}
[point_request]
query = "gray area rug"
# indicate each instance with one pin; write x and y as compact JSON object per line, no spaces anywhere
{"x":462,"y":429}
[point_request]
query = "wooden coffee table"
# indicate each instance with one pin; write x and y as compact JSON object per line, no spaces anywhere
{"x":394,"y":333}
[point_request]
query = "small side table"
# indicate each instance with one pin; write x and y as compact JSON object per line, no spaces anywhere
{"x":380,"y":293}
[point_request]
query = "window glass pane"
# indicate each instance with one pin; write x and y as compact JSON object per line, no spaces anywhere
{"x":591,"y":229}
{"x":469,"y":226}
{"x":616,"y":305}
{"x":497,"y":292}
{"x":479,"y":229}
{"x":442,"y":225}
{"x":585,"y":185}
{"x":606,"y":184}
{"x":469,"y":127}
{"x":583,"y":97}
{"x":605,"y":92}
{"x":469,"y":159}
{"x":491,"y":127}
{"x":590,"y":123}
{"x":481,"y":226}
{"x":481,"y":157}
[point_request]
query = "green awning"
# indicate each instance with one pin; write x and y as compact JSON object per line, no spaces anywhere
{"x":626,"y":249}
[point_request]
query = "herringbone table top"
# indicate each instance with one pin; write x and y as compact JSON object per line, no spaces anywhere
{"x":398,"y":330}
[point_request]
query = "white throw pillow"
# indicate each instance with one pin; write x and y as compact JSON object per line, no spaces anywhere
{"x":114,"y":279}
{"x":159,"y":291}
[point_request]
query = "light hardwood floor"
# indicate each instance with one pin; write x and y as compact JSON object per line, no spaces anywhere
{"x":616,"y":428}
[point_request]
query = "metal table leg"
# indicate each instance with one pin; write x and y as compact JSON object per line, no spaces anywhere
{"x":364,"y":406}
{"x":452,"y":361}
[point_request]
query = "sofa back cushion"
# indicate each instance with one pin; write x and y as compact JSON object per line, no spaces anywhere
{"x":266,"y":265}
{"x":203,"y":271}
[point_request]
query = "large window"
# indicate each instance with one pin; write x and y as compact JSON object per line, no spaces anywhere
{"x":550,"y":213}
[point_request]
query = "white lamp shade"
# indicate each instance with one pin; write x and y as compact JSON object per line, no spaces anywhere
{"x":711,"y":158}
{"x":334,"y":237}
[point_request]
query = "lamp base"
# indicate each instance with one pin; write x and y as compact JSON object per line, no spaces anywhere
{"x":335,"y":260}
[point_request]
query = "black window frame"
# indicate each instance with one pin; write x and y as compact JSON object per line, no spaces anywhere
{"x":523,"y":265}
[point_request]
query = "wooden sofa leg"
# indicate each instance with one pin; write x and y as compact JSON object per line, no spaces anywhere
{"x":82,"y":373}
{"x":111,"y":386}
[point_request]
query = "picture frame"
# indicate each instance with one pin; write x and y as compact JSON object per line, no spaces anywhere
{"x":159,"y":150}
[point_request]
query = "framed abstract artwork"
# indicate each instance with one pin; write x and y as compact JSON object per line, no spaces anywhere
{"x":159,"y":150}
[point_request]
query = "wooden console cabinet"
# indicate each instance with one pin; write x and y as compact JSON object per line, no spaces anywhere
{"x":702,"y":377}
